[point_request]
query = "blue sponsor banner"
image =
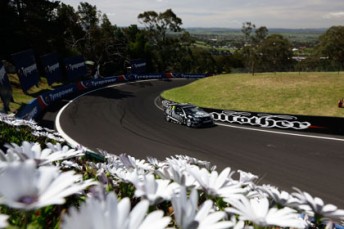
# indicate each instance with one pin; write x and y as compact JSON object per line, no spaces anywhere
{"x":51,"y":67}
{"x":138,"y":66}
{"x":75,"y":68}
{"x":31,"y":111}
{"x":37,"y":106}
{"x":27,"y":69}
{"x":148,"y":76}
{"x":189,"y":76}
{"x":89,"y":84}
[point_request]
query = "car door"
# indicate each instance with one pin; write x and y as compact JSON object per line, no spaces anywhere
{"x":178,"y":114}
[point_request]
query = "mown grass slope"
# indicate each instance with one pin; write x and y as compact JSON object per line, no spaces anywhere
{"x":20,"y":98}
{"x":287,"y":93}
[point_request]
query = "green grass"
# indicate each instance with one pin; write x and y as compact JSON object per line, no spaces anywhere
{"x":20,"y":98}
{"x":286,"y":93}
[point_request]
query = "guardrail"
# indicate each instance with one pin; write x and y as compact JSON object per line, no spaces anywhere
{"x":300,"y":123}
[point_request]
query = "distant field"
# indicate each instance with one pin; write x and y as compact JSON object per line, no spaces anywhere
{"x":289,"y":93}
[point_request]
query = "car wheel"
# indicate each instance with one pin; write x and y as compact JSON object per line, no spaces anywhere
{"x":167,"y":118}
{"x":188,"y":123}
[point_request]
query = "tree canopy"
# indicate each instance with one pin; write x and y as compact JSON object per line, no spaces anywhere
{"x":51,"y":26}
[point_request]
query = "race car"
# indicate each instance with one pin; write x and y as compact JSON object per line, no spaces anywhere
{"x":187,"y":114}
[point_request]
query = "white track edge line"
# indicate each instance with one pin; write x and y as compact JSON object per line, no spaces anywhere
{"x":267,"y":131}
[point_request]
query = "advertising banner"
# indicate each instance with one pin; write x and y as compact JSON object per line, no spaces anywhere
{"x":37,"y":106}
{"x":51,"y":68}
{"x":314,"y":124}
{"x":148,"y":76}
{"x":183,"y":75}
{"x":25,"y":63}
{"x":5,"y":89}
{"x":138,"y":66}
{"x":75,"y":68}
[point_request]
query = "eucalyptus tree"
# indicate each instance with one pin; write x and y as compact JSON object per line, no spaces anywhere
{"x":163,"y":32}
{"x":253,"y":38}
{"x":70,"y":29}
{"x":275,"y":54}
{"x":27,"y":24}
{"x":331,"y":45}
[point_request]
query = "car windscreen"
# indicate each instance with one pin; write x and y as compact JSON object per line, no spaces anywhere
{"x":192,"y":110}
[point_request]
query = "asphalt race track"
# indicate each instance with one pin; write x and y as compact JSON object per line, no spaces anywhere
{"x":125,"y":119}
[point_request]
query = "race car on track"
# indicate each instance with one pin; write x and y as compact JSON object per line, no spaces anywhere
{"x":186,"y":114}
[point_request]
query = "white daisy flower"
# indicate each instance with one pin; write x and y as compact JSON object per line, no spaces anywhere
{"x":3,"y":221}
{"x":156,"y":163}
{"x":156,"y":191}
{"x":281,"y":198}
{"x":37,"y":130}
{"x":177,"y":174}
{"x":8,"y":157}
{"x":128,"y":176}
{"x":131,"y":163}
{"x":258,"y":212}
{"x":114,"y":214}
{"x":318,"y":208}
{"x":34,"y":151}
{"x":246,"y":177}
{"x":26,"y":187}
{"x":192,"y":161}
{"x":188,"y":215}
{"x":215,"y":184}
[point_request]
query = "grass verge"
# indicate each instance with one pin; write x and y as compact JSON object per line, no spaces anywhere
{"x":286,"y":93}
{"x":20,"y":98}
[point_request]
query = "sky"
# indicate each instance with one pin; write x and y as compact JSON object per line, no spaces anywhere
{"x":299,"y":14}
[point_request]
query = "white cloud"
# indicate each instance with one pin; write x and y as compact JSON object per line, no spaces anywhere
{"x":335,"y":15}
{"x":228,"y":13}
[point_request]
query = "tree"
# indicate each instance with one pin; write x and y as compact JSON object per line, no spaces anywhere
{"x":275,"y":54}
{"x":332,"y":45}
{"x":164,"y":47}
{"x":27,"y":24}
{"x":71,"y":32}
{"x":252,"y":44}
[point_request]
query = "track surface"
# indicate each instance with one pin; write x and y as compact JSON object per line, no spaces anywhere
{"x":124,"y":119}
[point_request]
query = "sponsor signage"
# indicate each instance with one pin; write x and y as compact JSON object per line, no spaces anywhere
{"x":148,"y":76}
{"x":75,"y":68}
{"x":303,"y":123}
{"x":35,"y":108}
{"x":138,"y":66}
{"x":27,"y":69}
{"x":182,"y":75}
{"x":261,"y":120}
{"x":51,"y":67}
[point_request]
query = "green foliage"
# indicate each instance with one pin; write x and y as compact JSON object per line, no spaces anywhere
{"x":275,"y":54}
{"x":9,"y":134}
{"x":332,"y":45}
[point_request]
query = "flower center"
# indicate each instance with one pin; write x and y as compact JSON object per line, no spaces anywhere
{"x":28,"y":199}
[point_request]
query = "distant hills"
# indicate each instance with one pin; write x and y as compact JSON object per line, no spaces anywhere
{"x":271,"y":30}
{"x":294,"y":35}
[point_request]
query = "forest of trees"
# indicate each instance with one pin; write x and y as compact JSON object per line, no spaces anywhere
{"x":51,"y":26}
